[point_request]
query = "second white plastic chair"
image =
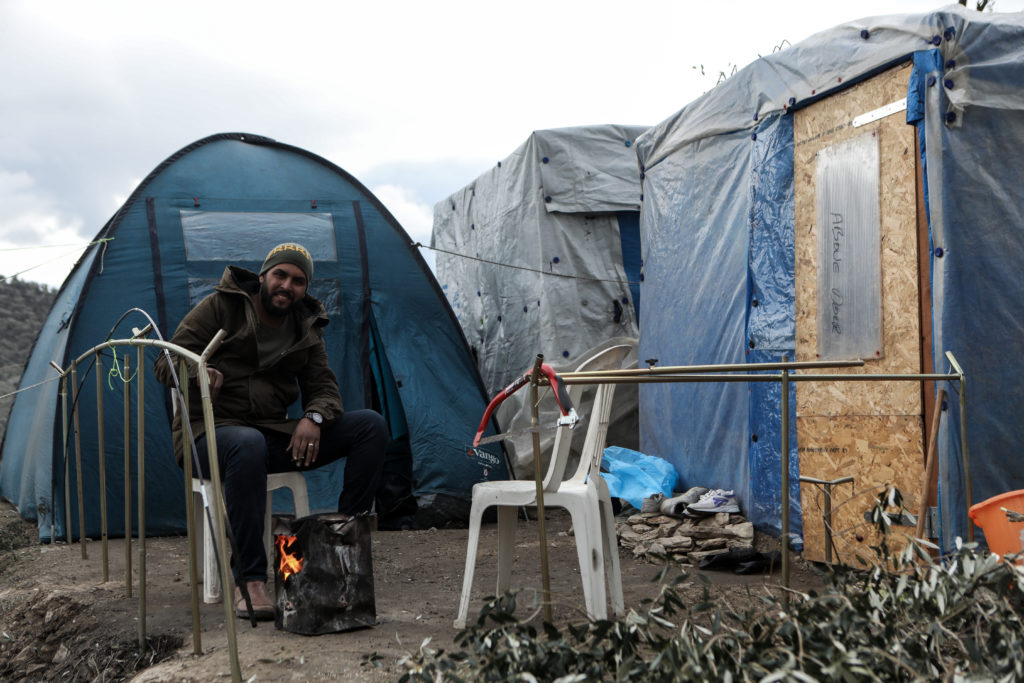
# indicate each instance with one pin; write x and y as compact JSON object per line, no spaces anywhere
{"x":584,"y":495}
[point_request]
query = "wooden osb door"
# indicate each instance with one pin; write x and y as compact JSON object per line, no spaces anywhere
{"x":870,"y":430}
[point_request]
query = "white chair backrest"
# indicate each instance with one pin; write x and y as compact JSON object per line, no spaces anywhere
{"x":593,"y":446}
{"x":611,"y":358}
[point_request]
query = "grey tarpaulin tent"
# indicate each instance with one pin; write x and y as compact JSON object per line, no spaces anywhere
{"x":540,"y":254}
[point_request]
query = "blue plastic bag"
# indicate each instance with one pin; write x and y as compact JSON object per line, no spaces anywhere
{"x":633,"y":476}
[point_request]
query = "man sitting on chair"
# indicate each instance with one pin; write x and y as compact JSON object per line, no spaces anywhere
{"x":273,"y":353}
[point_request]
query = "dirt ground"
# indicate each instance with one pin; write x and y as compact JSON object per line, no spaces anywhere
{"x":59,"y":620}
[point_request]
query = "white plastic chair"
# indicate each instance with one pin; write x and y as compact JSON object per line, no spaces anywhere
{"x":207,"y":555}
{"x":584,"y":495}
{"x":204,"y":543}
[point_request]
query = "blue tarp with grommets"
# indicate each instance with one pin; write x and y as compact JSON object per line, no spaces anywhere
{"x":717,"y":231}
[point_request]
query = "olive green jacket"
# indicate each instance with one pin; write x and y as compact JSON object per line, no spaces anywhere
{"x":251,"y":394}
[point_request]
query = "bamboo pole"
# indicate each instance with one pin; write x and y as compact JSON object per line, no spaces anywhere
{"x":964,"y":458}
{"x":190,"y":516}
{"x":140,"y":435}
{"x":538,"y":475}
{"x":67,"y":492}
{"x":930,"y":462}
{"x":218,"y":503}
{"x":101,"y":446}
{"x":67,"y":458}
{"x":785,"y":477}
{"x":78,"y":460}
{"x":127,"y":476}
{"x":725,"y":367}
{"x":712,"y":378}
{"x":827,"y":516}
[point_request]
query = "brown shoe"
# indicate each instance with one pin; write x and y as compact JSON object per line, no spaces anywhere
{"x":262,"y":605}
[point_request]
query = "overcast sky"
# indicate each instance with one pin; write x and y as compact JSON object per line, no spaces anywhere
{"x":413,"y":98}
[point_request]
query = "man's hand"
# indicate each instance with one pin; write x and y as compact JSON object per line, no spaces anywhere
{"x":216,"y":378}
{"x":305,"y":443}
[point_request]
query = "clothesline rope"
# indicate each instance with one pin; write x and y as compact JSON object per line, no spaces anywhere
{"x":618,"y":281}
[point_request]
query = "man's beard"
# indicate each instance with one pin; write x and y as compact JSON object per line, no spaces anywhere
{"x":267,"y":299}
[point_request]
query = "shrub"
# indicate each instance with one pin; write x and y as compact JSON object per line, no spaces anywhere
{"x":902,"y":618}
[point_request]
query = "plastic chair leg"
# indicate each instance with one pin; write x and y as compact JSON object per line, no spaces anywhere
{"x":506,"y":546}
{"x":205,"y":548}
{"x":268,"y":541}
{"x":199,"y":517}
{"x":212,"y":590}
{"x":611,"y":558}
{"x":296,"y":483}
{"x":591,"y":556}
{"x":300,"y":497}
{"x":475,"y":516}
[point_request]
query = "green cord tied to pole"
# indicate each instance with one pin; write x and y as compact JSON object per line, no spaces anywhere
{"x":115,"y":371}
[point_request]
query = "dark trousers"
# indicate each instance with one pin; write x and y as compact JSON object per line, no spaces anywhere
{"x":247,"y":455}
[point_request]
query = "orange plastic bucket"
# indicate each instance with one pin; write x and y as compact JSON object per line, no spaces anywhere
{"x":1003,"y":536}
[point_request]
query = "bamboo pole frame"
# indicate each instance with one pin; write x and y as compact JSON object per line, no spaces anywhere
{"x":126,"y":365}
{"x":740,"y":372}
{"x":538,"y":475}
{"x":101,"y":451}
{"x":190,"y":520}
{"x":67,"y":462}
{"x":784,"y":409}
{"x":78,"y":461}
{"x":140,"y":436}
{"x":219,"y":513}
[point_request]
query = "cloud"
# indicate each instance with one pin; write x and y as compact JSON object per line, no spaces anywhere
{"x":50,"y":261}
{"x":429,"y":181}
{"x":418,"y":96}
{"x":36,"y":242}
{"x":416,"y":217}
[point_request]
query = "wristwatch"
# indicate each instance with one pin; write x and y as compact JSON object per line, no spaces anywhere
{"x":316,"y":417}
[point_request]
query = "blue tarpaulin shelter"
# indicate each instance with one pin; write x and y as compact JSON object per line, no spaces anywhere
{"x":722,"y":270}
{"x":393,"y":341}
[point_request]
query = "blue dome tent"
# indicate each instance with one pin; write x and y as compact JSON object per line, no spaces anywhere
{"x":393,"y":341}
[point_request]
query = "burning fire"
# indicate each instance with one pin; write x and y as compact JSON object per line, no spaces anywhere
{"x":290,"y":563}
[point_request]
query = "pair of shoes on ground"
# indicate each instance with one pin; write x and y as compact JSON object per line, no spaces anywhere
{"x":712,"y":502}
{"x":262,"y":604}
{"x":676,"y":506}
{"x":699,"y":501}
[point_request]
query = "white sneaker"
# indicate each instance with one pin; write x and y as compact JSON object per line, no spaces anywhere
{"x":715,"y":500}
{"x":676,"y":507}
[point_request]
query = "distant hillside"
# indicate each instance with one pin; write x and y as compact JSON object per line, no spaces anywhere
{"x":23,"y":308}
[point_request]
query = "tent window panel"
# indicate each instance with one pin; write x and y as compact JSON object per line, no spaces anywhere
{"x":327,"y":290}
{"x":849,"y":250}
{"x":235,"y":236}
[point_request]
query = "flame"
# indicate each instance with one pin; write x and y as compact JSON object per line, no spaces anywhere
{"x":290,"y":563}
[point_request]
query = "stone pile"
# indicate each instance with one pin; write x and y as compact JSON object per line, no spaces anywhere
{"x":687,"y":540}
